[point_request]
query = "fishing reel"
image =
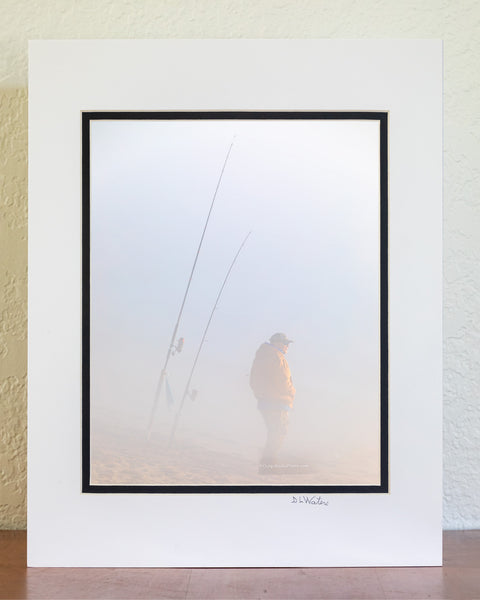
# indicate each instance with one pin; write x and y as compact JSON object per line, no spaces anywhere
{"x":178,"y":347}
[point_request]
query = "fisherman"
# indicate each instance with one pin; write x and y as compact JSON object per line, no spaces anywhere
{"x":271,"y":382}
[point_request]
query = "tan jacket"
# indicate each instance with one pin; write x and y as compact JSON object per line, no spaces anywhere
{"x":270,"y":377}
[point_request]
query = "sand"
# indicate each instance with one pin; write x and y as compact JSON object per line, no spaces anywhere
{"x":127,"y":457}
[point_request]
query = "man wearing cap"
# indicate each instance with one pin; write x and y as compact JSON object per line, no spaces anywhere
{"x":271,"y":382}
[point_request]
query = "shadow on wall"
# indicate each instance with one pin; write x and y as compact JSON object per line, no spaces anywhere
{"x":13,"y":308}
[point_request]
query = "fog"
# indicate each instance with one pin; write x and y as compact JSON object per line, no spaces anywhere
{"x":308,"y":191}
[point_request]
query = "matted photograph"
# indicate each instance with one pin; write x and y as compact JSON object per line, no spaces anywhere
{"x":235,"y":281}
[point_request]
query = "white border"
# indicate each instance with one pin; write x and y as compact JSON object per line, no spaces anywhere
{"x":68,"y":528}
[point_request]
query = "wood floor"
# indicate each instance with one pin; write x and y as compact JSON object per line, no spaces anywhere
{"x":459,"y":578}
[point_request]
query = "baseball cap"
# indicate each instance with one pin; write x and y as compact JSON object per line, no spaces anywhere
{"x":280,"y":338}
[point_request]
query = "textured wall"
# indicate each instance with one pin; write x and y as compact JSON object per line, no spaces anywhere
{"x":457,"y":22}
{"x":13,"y":306}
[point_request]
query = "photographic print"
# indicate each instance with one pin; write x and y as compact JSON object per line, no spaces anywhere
{"x":235,"y":286}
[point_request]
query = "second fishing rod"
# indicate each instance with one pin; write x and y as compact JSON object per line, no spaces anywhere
{"x":202,"y":341}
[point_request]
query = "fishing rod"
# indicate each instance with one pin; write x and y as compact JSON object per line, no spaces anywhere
{"x":187,"y":387}
{"x":178,"y":347}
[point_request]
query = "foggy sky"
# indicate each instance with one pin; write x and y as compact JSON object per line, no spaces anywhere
{"x":309,"y":193}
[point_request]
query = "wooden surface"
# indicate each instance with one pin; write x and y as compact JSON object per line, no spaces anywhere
{"x":459,"y":578}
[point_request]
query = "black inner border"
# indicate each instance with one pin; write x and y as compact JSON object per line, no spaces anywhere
{"x":87,"y":117}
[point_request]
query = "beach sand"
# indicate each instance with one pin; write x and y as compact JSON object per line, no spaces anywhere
{"x":127,"y":457}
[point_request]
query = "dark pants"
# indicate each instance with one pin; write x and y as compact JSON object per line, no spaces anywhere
{"x":276,"y":421}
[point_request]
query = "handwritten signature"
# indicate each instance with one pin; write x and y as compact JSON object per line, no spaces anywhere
{"x":318,"y":500}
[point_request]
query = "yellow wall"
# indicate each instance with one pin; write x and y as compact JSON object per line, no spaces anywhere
{"x":13,"y":306}
{"x":457,"y":22}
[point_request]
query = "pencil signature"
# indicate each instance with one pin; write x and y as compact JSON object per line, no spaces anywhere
{"x":318,"y":500}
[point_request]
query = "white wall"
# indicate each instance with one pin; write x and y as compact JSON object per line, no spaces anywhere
{"x":457,"y":23}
